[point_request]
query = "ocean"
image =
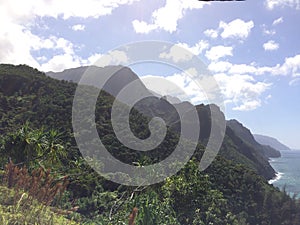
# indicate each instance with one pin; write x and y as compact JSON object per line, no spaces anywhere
{"x":288,"y":172}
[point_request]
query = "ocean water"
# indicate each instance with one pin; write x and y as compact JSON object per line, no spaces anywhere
{"x":288,"y":172}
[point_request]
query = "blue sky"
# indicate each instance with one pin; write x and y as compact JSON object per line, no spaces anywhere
{"x":251,"y":48}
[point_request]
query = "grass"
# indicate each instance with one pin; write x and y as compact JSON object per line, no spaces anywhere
{"x":18,"y":208}
{"x":25,"y":198}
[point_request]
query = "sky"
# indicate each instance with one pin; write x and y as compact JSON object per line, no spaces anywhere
{"x":251,"y":48}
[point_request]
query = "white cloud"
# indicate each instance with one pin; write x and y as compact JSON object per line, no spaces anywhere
{"x":218,"y":52}
{"x":271,"y":4}
{"x":229,"y":68}
{"x":142,"y":27}
{"x":242,"y":69}
{"x":277,"y":21}
{"x":166,"y":17}
{"x":219,"y":67}
{"x":236,"y":29}
{"x":69,"y":59}
{"x":176,"y":54}
{"x":15,"y":51}
{"x":269,"y":97}
{"x":290,"y":67}
{"x":162,"y":86}
{"x":60,"y":62}
{"x":183,"y":52}
{"x":180,"y":85}
{"x":241,"y":90}
{"x":20,"y":10}
{"x":211,"y":33}
{"x":266,"y":31}
{"x":193,"y":92}
{"x":294,"y":82}
{"x":17,"y":17}
{"x":248,"y":106}
{"x":270,"y":45}
{"x":240,"y":87}
{"x":197,"y":48}
{"x":78,"y":27}
{"x":92,"y":59}
{"x":115,"y":57}
{"x":41,"y":58}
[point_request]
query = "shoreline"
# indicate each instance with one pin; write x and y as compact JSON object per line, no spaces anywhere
{"x":288,"y":180}
{"x":277,"y":177}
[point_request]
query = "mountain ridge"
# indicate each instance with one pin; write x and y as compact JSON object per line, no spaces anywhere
{"x":270,"y":141}
{"x":154,"y":106}
{"x":246,"y":135}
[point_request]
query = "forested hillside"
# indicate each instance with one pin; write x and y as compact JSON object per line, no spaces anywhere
{"x":37,"y":138}
{"x":244,"y":149}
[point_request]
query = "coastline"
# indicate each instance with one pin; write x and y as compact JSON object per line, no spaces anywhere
{"x":277,"y":177}
{"x":287,"y":169}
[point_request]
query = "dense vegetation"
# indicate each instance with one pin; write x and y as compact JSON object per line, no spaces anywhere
{"x":37,"y":146}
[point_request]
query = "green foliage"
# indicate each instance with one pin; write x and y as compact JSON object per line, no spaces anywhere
{"x":194,"y":189}
{"x":34,"y":147}
{"x":154,"y":209}
{"x":36,"y":130}
{"x":19,"y":208}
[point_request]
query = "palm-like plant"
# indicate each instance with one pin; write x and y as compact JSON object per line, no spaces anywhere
{"x":34,"y":142}
{"x":35,"y":147}
{"x":54,"y":148}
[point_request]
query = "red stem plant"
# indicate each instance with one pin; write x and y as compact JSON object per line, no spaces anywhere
{"x":39,"y":184}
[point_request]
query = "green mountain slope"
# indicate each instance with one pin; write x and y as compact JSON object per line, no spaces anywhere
{"x":233,"y":190}
{"x":251,"y":154}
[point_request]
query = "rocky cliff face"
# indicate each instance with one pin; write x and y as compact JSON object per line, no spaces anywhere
{"x":245,"y":134}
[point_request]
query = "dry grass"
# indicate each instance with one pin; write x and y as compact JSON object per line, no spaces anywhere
{"x":39,"y":184}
